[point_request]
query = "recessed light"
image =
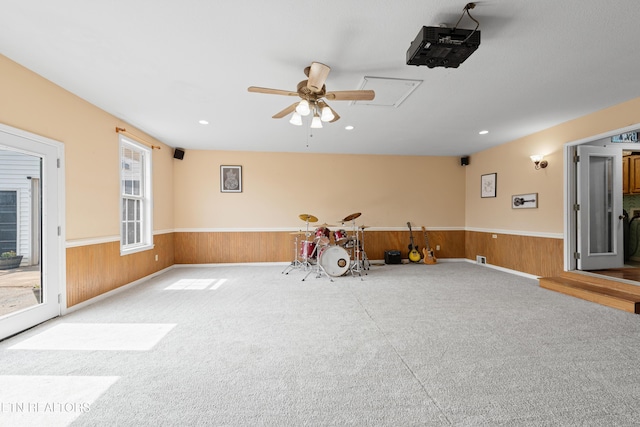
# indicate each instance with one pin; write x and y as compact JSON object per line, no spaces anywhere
{"x":483,"y":132}
{"x":203,"y":122}
{"x":349,"y":127}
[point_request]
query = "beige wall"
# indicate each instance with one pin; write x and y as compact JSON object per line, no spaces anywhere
{"x":388,"y":190}
{"x":516,"y":174}
{"x":278,"y":187}
{"x":34,"y":104}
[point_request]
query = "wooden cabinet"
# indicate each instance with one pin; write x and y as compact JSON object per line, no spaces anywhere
{"x":625,"y":174}
{"x":631,"y":174}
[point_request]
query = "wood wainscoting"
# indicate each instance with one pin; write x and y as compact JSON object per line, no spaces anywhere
{"x":235,"y":247}
{"x":538,"y":256}
{"x":93,"y":270}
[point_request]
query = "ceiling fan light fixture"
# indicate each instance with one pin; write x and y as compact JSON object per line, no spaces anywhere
{"x":296,"y":119}
{"x":316,"y":123}
{"x":327,"y":114}
{"x":303,"y":108}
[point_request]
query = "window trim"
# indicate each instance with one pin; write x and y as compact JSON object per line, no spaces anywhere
{"x":147,"y":198}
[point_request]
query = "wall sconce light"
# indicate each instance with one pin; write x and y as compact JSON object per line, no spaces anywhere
{"x":537,"y":159}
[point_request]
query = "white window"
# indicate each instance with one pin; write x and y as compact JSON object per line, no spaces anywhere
{"x":9,"y":221}
{"x":135,"y":200}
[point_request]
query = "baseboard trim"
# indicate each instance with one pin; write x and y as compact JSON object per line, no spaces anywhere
{"x":506,"y":270}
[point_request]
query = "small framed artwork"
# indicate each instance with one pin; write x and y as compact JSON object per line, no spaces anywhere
{"x":488,"y":185}
{"x":524,"y":201}
{"x":231,"y":179}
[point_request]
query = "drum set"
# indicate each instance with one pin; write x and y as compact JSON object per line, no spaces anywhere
{"x":316,"y":252}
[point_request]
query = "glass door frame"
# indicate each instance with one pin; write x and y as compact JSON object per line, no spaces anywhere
{"x":53,"y":256}
{"x":570,"y":190}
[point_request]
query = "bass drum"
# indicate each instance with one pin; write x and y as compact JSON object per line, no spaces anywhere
{"x":335,"y":260}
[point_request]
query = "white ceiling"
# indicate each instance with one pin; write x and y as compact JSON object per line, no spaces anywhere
{"x":164,"y":65}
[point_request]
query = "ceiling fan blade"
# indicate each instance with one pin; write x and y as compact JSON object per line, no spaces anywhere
{"x":336,"y":117}
{"x":317,"y":75}
{"x":271,"y":91}
{"x":351,"y":95}
{"x":291,"y":108}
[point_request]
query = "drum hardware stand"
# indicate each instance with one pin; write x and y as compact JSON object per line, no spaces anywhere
{"x":319,"y":268}
{"x":365,"y":260}
{"x":296,"y":263}
{"x":356,"y":264}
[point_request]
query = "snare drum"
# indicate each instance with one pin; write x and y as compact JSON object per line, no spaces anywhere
{"x":340,"y":237}
{"x":307,"y":249}
{"x":334,"y":260}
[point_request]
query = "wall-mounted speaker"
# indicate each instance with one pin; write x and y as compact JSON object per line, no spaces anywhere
{"x":464,"y":161}
{"x":178,"y":154}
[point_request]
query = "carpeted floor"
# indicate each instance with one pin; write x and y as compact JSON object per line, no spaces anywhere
{"x":409,"y":345}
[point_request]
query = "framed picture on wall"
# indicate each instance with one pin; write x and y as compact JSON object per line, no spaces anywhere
{"x":524,"y":201}
{"x":230,"y":179}
{"x":488,"y":185}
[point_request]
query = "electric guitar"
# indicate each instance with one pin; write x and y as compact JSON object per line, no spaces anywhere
{"x":414,"y":254}
{"x":429,"y":257}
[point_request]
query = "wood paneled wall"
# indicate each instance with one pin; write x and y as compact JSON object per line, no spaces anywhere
{"x":93,"y":270}
{"x":451,"y":242}
{"x":233,"y":247}
{"x":539,"y":256}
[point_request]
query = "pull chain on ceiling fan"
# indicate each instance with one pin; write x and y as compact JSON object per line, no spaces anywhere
{"x":313,"y":94}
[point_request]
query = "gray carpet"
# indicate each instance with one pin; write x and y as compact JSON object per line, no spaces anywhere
{"x":409,"y":345}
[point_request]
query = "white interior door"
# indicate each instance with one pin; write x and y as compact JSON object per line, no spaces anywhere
{"x":600,"y":241}
{"x":42,"y":220}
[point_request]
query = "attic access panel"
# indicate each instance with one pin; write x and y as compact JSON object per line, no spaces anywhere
{"x":390,"y":92}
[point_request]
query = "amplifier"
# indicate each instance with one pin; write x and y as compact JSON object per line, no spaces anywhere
{"x":392,"y":257}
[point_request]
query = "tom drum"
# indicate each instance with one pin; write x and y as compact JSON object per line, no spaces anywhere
{"x":323,"y":235}
{"x":340,"y":237}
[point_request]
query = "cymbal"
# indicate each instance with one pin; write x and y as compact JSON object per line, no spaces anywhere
{"x":299,"y":232}
{"x":365,"y":226}
{"x":308,"y":217}
{"x":352,"y":217}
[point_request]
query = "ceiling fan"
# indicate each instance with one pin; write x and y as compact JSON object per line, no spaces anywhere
{"x":314,"y":95}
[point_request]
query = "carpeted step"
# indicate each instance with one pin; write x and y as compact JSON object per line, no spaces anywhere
{"x":599,"y":293}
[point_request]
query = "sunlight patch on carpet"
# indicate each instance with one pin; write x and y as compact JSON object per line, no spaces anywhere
{"x":217,"y":285}
{"x":97,"y":336}
{"x":39,"y":400}
{"x":195,"y":284}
